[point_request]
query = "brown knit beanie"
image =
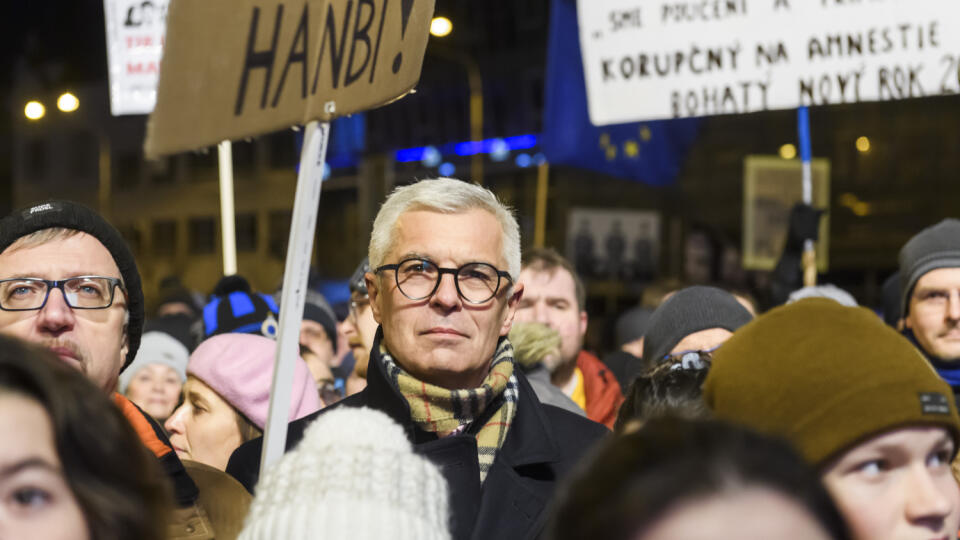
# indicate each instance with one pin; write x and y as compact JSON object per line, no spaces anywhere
{"x":825,"y":377}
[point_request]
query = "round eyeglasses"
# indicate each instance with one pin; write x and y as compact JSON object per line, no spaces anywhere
{"x":81,"y":292}
{"x":476,"y":282}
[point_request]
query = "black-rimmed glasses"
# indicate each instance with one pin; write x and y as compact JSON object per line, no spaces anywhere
{"x":476,"y":282}
{"x":81,"y":292}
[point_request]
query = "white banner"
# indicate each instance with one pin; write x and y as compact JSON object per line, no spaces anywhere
{"x":655,"y":59}
{"x":135,"y":30}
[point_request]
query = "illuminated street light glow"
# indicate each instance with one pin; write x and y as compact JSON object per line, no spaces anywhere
{"x":863,"y":144}
{"x":34,"y":110}
{"x":440,"y":26}
{"x":68,"y":102}
{"x":788,"y":151}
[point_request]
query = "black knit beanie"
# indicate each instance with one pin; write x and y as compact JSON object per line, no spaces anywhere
{"x":690,"y":310}
{"x":178,"y":326}
{"x":235,"y":308}
{"x":358,"y":283}
{"x":935,"y":247}
{"x":317,"y":309}
{"x":75,"y":216}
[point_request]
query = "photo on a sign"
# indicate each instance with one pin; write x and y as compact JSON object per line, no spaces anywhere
{"x":771,"y":187}
{"x":135,"y":34}
{"x":614,"y":244}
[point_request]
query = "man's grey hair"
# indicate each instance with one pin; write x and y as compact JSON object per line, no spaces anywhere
{"x":446,"y":196}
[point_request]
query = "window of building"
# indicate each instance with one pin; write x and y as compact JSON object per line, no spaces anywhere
{"x":203,"y":235}
{"x":246,"y":232}
{"x":84,"y":154}
{"x":132,"y":235}
{"x":283,"y":150}
{"x":36,"y":159}
{"x":279,"y":233}
{"x":161,"y":171}
{"x":163,"y":237}
{"x":203,"y":166}
{"x":128,"y":170}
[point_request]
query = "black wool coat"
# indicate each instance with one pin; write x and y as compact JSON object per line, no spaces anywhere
{"x":543,"y":444}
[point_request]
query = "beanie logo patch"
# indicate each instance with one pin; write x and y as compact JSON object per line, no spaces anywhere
{"x":934,"y":403}
{"x":41,"y":208}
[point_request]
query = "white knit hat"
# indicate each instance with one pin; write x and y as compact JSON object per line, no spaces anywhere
{"x":354,"y":475}
{"x":156,"y":348}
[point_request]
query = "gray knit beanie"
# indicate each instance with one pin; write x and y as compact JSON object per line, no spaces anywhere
{"x":632,"y":325}
{"x":156,"y":348}
{"x":353,"y":475}
{"x":690,"y":310}
{"x":935,"y":247}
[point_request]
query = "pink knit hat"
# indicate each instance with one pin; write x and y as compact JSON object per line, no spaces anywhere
{"x":239,"y":367}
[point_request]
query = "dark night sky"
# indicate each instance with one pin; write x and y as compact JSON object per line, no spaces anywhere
{"x":68,"y":34}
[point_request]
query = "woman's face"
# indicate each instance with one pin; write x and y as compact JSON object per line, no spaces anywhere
{"x":898,"y":485}
{"x":204,"y":428}
{"x":156,"y":390}
{"x":35,"y":499}
{"x":752,"y":513}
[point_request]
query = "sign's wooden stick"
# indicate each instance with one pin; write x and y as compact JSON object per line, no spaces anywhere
{"x":228,"y":234}
{"x":809,"y":253}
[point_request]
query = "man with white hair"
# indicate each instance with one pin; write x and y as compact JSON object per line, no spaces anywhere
{"x":445,"y":256}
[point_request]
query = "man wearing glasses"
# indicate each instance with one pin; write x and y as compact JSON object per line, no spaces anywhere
{"x":444,"y":256}
{"x":69,"y":283}
{"x":686,"y":329}
{"x":63,"y":288}
{"x":930,"y":297}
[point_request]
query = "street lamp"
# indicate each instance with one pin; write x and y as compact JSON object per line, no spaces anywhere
{"x":440,"y":26}
{"x":788,"y":151}
{"x":68,"y":102}
{"x":34,"y":110}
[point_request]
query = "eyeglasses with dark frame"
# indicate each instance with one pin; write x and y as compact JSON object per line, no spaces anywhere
{"x":80,"y":292}
{"x":417,"y":279}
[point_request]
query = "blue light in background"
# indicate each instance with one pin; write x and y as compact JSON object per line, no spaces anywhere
{"x":468,"y":148}
{"x":326,"y":171}
{"x":493,"y":146}
{"x":447,"y":169}
{"x":431,"y":156}
{"x":499,"y":150}
{"x":521,"y":142}
{"x":523,"y":160}
{"x":408,"y":155}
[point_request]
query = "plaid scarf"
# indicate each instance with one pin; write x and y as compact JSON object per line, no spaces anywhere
{"x":485,"y":412}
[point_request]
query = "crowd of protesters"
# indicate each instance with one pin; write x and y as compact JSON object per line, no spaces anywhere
{"x":452,"y":397}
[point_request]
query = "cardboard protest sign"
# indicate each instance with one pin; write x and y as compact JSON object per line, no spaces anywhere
{"x":135,"y":32}
{"x":237,"y":68}
{"x":660,"y":59}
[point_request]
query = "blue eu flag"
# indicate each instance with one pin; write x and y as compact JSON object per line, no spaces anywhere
{"x":650,"y":152}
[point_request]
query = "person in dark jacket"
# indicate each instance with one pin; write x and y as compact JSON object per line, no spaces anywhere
{"x":930,"y":297}
{"x":444,"y":256}
{"x":69,"y":283}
